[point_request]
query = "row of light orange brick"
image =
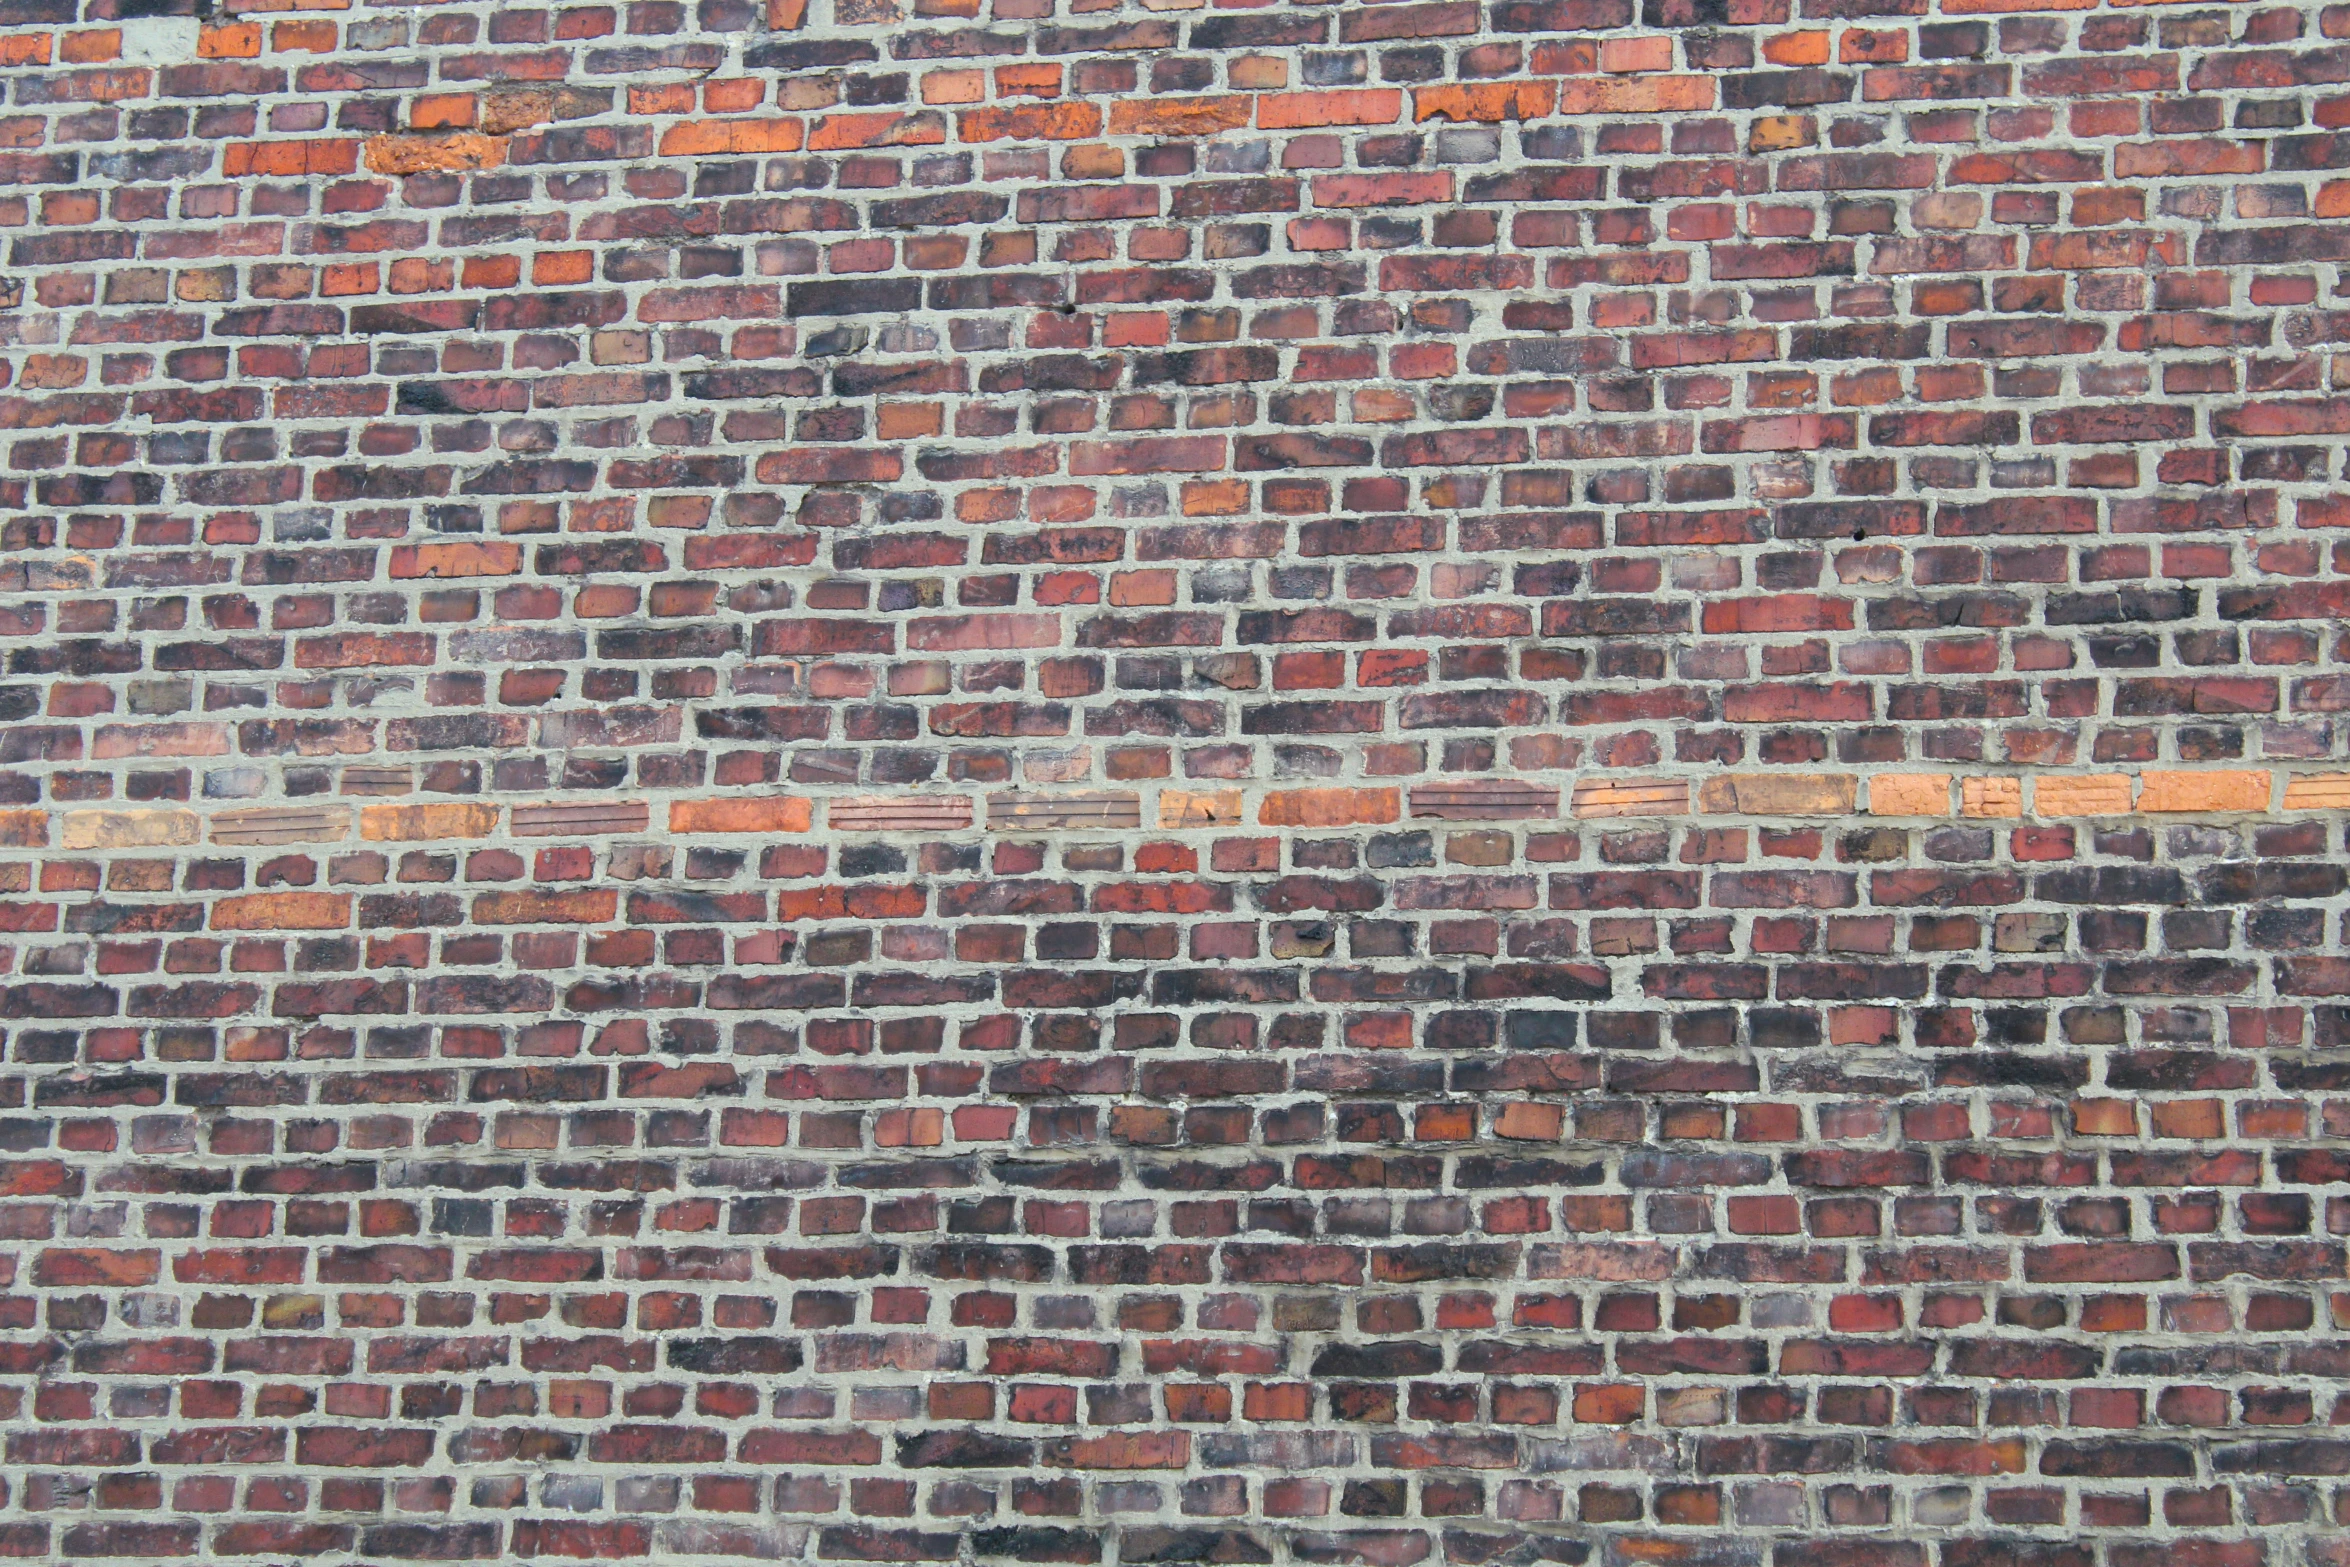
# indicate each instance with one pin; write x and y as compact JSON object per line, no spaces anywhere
{"x":1913,"y":795}
{"x":1614,"y":77}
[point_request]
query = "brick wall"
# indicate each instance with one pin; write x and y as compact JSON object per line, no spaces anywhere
{"x":1497,"y":781}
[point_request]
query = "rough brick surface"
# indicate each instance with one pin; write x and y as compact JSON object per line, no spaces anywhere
{"x":1495,"y":781}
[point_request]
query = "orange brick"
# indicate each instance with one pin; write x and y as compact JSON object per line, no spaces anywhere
{"x":2065,"y":794}
{"x":1277,"y":1401}
{"x":406,"y":823}
{"x":2113,"y":1314}
{"x":360,"y":277}
{"x":1314,"y":110}
{"x":492,"y":271}
{"x":841,"y":132}
{"x":1215,"y":497}
{"x":1488,"y":101}
{"x":1136,"y":329}
{"x":1992,"y":796}
{"x":287,"y":158}
{"x":307,"y":36}
{"x":283,"y":911}
{"x":1625,"y":56}
{"x":2318,"y":792}
{"x":404,"y":154}
{"x":1179,"y":116}
{"x":662,"y":98}
{"x":1809,"y":47}
{"x":707,"y":138}
{"x":2105,"y":1117}
{"x":1142,"y":587}
{"x":576,"y":906}
{"x":909,"y":1127}
{"x":906,"y":421}
{"x":774,"y":813}
{"x":1199,"y":808}
{"x":2196,"y":1118}
{"x":562,"y":266}
{"x":952,"y":87}
{"x":1258,"y":73}
{"x":51,"y":372}
{"x":1030,"y":122}
{"x":1530,"y":1122}
{"x":1636,"y":95}
{"x":1567,"y":57}
{"x":423,"y":275}
{"x":1611,"y":1404}
{"x":449,"y":111}
{"x":735,"y":95}
{"x":1909,"y":794}
{"x":1444,"y":1123}
{"x":1031,"y":79}
{"x":95,"y":47}
{"x":1867,"y":46}
{"x":229,"y":41}
{"x":1329,"y":807}
{"x":2212,"y":792}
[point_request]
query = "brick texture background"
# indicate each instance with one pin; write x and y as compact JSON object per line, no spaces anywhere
{"x":1496,"y":781}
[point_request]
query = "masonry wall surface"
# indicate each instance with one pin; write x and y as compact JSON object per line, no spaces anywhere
{"x":1498,"y":781}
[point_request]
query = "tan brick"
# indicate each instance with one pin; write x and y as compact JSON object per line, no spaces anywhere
{"x":1779,"y":794}
{"x":1991,"y":796}
{"x":405,"y":823}
{"x":2317,"y":792}
{"x":128,"y":829}
{"x":1199,"y":808}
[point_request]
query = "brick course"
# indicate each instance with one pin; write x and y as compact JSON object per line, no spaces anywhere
{"x":1494,"y":781}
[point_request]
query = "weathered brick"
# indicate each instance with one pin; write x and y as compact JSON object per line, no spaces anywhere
{"x":1315,"y":783}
